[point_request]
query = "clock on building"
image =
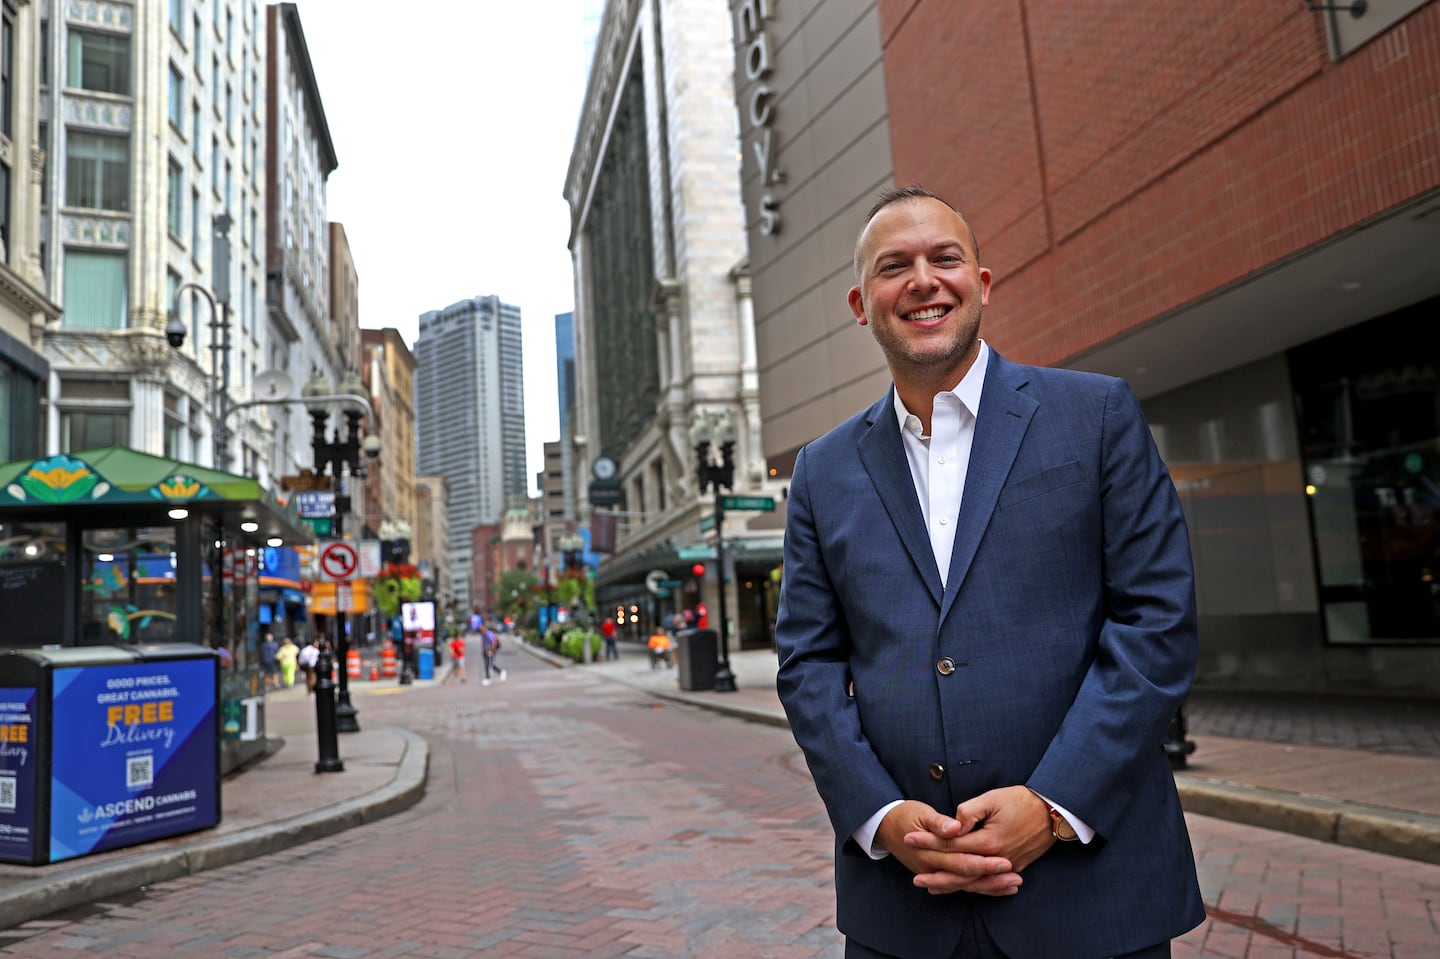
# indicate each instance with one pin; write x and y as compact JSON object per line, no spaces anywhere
{"x":604,"y":468}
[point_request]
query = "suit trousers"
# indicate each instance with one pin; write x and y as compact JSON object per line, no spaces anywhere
{"x":975,"y":943}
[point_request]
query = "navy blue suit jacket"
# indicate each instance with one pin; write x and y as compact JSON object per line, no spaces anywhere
{"x":1070,"y":614}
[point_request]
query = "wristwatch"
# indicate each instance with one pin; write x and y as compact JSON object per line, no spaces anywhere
{"x":1059,"y":828}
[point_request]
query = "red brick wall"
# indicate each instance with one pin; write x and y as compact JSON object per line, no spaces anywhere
{"x":1121,"y":160}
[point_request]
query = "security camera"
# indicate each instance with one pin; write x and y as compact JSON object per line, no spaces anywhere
{"x":175,"y":332}
{"x":371,"y":445}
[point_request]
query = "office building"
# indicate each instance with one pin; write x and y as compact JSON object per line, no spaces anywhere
{"x":470,"y":417}
{"x":1237,"y":210}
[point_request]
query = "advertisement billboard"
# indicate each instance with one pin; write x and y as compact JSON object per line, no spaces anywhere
{"x":139,"y":757}
{"x":18,"y":764}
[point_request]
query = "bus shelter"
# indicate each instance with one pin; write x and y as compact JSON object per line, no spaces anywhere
{"x":117,"y":547}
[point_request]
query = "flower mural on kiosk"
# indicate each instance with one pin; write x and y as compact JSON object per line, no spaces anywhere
{"x":60,"y":479}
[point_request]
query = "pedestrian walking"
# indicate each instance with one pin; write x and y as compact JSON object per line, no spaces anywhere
{"x":457,"y":656}
{"x":981,"y":685}
{"x":309,"y":660}
{"x":269,"y":663}
{"x":607,"y":630}
{"x":287,"y":657}
{"x":489,"y":650}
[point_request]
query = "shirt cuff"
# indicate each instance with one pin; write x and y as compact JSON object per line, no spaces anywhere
{"x":1083,"y":830}
{"x":865,"y":835}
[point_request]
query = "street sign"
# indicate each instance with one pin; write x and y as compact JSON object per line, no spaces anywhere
{"x":319,"y":526}
{"x":765,"y":504}
{"x":339,"y":561}
{"x":707,"y":523}
{"x":369,"y":558}
{"x":695,"y":552}
{"x":315,"y":504}
{"x":605,"y":493}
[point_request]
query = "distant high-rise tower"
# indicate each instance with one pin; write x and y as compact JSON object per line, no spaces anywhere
{"x":470,"y":417}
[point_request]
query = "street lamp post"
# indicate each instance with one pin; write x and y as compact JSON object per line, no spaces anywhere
{"x":219,"y":299}
{"x":705,"y":433}
{"x":335,"y":454}
{"x":571,"y":546}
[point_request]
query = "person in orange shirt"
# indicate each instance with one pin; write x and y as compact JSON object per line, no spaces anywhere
{"x":660,"y":649}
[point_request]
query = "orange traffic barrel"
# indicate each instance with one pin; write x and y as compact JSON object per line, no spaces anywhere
{"x":352,"y":664}
{"x":387,"y":661}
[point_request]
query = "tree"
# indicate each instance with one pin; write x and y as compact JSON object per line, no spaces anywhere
{"x":515,"y":591}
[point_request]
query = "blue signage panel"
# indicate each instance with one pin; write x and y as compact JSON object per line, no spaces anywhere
{"x":18,"y":763}
{"x":134,"y":754}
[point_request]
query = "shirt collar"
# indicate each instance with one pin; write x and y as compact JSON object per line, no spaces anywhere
{"x":967,"y":391}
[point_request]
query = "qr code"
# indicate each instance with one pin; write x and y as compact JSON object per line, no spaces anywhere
{"x":139,"y":771}
{"x":7,"y":792}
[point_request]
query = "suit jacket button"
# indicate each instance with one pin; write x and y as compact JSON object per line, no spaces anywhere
{"x":937,"y":771}
{"x":946,"y":666}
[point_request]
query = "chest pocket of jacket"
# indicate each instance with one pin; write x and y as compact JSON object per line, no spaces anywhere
{"x":1038,"y":484}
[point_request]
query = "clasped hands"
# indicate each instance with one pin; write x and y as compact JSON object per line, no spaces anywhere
{"x":983,"y":848}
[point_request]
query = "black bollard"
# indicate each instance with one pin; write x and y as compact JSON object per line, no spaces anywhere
{"x":329,"y":745}
{"x":1177,"y":747}
{"x":407,"y":674}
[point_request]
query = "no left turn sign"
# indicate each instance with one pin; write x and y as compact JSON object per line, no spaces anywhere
{"x":339,"y":561}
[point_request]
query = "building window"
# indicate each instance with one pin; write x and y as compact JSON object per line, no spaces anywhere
{"x":174,"y":428}
{"x":215,"y":164}
{"x":176,"y":204}
{"x":215,"y":84}
{"x":195,"y":129}
{"x":172,"y":283}
{"x":195,"y":221}
{"x":7,"y":71}
{"x":177,"y":98}
{"x":5,"y":208}
{"x":99,"y":61}
{"x":20,"y":426}
{"x":229,"y":112}
{"x":93,"y":429}
{"x":97,"y":171}
{"x":95,"y":290}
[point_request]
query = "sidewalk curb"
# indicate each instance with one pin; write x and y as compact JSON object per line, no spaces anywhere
{"x":87,"y":882}
{"x":1394,"y":832}
{"x":1380,"y":829}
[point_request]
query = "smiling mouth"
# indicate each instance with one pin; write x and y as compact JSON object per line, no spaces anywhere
{"x":932,"y":313}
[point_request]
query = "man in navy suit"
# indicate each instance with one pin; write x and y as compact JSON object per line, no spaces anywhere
{"x":986,"y":622}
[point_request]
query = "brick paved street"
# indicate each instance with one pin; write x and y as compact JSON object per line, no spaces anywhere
{"x":567,"y":816}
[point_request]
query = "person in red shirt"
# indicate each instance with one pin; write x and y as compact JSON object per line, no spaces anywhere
{"x":457,"y":655}
{"x":607,"y":629}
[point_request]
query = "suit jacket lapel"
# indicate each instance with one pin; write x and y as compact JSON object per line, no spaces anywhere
{"x":883,"y":455}
{"x":1005,"y":414}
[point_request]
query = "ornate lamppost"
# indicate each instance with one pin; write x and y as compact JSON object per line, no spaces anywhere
{"x":334,"y":455}
{"x":706,"y":432}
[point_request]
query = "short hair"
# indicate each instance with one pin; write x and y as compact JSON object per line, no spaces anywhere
{"x":892,"y":195}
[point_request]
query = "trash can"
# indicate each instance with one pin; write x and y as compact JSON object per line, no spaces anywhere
{"x":103,"y":747}
{"x":696,"y":652}
{"x":426,"y":663}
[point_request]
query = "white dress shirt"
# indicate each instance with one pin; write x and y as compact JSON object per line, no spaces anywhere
{"x":939,"y":464}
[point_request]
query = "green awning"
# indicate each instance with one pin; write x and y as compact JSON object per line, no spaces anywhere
{"x":119,"y":476}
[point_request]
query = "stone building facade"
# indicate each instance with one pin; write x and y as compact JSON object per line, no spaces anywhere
{"x":663,"y":329}
{"x":25,"y":305}
{"x":153,"y":116}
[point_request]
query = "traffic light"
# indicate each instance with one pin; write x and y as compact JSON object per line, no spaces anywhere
{"x":698,"y":570}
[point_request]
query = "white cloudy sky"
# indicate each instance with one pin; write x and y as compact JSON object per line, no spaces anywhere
{"x":453,"y":124}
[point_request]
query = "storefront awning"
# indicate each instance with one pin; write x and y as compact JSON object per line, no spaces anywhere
{"x":119,"y":476}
